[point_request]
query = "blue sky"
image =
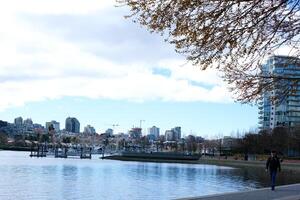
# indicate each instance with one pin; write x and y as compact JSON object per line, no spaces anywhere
{"x":79,"y":58}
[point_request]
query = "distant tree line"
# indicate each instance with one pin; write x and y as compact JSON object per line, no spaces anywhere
{"x":286,"y":142}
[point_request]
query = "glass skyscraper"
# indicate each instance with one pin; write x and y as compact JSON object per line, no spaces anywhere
{"x":280,"y":103}
{"x":72,"y":125}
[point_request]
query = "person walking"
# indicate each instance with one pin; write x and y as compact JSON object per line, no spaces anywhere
{"x":272,"y":165}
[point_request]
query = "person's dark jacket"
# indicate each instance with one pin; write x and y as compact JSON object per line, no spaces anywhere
{"x":273,"y":164}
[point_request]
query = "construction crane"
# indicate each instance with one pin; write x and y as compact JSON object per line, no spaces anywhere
{"x":114,"y":125}
{"x":141,"y":122}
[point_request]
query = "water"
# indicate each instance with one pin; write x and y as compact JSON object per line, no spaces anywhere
{"x":23,"y":177}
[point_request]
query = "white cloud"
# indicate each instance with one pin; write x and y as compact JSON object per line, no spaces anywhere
{"x":37,"y":65}
{"x":286,"y":51}
{"x":185,"y":70}
{"x":55,"y":7}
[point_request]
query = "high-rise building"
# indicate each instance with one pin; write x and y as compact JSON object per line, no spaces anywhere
{"x":109,"y":132}
{"x":19,"y":121}
{"x":28,"y":125}
{"x":53,"y":124}
{"x":169,"y":135}
{"x":278,"y":108}
{"x":89,"y":130}
{"x":28,"y":122}
{"x":174,"y":134}
{"x":177,"y":133}
{"x":153,"y":133}
{"x":68,"y":125}
{"x":72,"y":125}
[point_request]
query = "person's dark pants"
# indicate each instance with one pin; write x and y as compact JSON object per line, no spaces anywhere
{"x":273,"y":178}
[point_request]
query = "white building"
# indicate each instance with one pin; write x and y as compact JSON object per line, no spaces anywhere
{"x":177,"y":133}
{"x":28,"y":122}
{"x":89,"y":130}
{"x":169,"y":135}
{"x":54,"y":124}
{"x":28,"y":125}
{"x":286,"y":111}
{"x":174,"y":134}
{"x":153,"y":133}
{"x":109,"y":132}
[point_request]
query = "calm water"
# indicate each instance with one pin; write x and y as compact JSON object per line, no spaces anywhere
{"x":23,"y":177}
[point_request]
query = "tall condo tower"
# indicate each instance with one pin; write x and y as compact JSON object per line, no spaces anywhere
{"x":278,"y":107}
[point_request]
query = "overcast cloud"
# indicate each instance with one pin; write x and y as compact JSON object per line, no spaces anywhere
{"x":55,"y":48}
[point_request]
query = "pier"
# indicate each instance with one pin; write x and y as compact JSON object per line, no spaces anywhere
{"x":286,"y":192}
{"x":39,"y":150}
{"x":60,"y":151}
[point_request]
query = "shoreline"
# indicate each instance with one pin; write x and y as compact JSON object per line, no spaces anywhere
{"x":284,"y":192}
{"x":211,"y":161}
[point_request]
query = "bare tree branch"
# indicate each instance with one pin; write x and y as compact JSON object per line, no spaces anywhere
{"x":234,"y":36}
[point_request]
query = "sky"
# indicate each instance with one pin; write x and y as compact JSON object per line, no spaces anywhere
{"x":83,"y":59}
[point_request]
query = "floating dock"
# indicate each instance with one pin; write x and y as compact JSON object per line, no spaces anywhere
{"x":154,"y":156}
{"x":59,"y":151}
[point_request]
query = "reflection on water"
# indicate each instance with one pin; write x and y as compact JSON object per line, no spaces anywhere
{"x":72,"y":179}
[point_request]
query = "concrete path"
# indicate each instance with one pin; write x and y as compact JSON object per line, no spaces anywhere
{"x":287,"y":192}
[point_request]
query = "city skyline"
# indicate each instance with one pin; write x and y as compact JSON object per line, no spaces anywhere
{"x":132,"y":113}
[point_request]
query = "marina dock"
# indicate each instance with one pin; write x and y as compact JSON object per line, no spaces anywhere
{"x":286,"y":192}
{"x":60,"y":151}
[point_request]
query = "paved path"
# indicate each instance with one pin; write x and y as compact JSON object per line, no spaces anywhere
{"x":287,"y":192}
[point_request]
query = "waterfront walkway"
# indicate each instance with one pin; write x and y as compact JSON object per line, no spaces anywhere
{"x":286,"y":192}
